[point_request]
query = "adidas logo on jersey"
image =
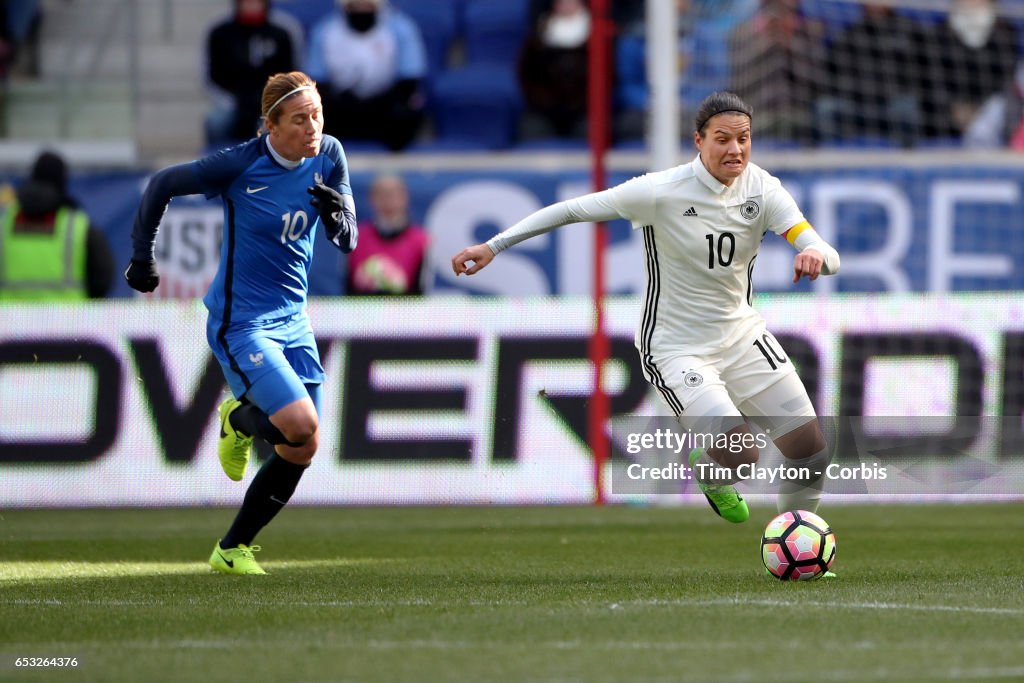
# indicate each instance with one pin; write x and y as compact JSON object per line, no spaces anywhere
{"x":690,"y":212}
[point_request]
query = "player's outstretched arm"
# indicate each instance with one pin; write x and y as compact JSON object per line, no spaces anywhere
{"x":597,"y":207}
{"x":478,"y":254}
{"x":174,"y":181}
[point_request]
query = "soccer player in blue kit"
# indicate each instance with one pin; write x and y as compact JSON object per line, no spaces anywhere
{"x":276,"y":189}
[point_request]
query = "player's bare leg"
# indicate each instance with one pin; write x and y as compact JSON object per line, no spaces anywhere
{"x":294,"y":431}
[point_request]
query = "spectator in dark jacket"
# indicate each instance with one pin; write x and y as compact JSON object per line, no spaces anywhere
{"x":777,"y":68}
{"x":242,"y":52}
{"x":874,"y":85}
{"x":553,"y":71}
{"x":973,"y":57}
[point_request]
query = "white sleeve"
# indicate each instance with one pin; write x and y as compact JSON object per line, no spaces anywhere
{"x":781,"y":211}
{"x":632,"y":200}
{"x":810,"y":239}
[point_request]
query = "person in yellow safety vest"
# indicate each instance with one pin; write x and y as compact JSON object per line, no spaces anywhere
{"x":48,"y":249}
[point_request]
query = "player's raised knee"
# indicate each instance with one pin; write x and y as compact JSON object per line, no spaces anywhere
{"x":302,"y":430}
{"x":303,"y":453}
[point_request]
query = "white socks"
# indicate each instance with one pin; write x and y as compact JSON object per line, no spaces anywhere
{"x":804,"y":494}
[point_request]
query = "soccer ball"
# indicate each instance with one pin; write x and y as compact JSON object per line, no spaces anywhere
{"x":798,"y":546}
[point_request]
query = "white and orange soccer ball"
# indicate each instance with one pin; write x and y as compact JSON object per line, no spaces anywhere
{"x":798,"y":546}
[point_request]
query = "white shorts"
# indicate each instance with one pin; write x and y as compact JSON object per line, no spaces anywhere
{"x":752,"y":378}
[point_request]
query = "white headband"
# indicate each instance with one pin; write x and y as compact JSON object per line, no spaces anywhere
{"x":286,"y":96}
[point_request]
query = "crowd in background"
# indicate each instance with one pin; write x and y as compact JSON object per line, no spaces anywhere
{"x":397,"y":73}
{"x":489,"y":74}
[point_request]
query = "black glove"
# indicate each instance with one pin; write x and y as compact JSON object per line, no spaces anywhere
{"x":328,"y":203}
{"x":142,"y":275}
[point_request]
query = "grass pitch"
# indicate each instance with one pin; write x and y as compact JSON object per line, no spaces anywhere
{"x":925,"y":593}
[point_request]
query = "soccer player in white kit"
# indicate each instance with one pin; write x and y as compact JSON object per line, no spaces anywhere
{"x":702,"y":346}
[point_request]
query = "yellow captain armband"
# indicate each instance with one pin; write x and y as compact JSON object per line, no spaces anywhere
{"x":796,"y":231}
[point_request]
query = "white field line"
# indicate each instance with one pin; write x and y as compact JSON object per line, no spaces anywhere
{"x":800,"y":604}
{"x":426,"y":602}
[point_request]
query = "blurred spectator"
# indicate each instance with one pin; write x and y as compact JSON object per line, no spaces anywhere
{"x":974,"y":56}
{"x":20,"y":22}
{"x":6,"y":57}
{"x":48,"y":249}
{"x":777,"y":68}
{"x":392,"y":251}
{"x":369,"y":59}
{"x":6,"y":43}
{"x":703,"y":30}
{"x":553,"y":72}
{"x":242,"y":52}
{"x":874,"y":83}
{"x":1000,"y":120}
{"x":623,"y":13}
{"x":627,"y":13}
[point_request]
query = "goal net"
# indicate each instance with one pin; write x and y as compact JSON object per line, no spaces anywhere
{"x":897,"y":73}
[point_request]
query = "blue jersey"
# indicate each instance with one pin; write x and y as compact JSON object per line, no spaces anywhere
{"x":269,"y":227}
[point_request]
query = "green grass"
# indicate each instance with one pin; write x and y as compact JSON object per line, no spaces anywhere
{"x":925,"y":593}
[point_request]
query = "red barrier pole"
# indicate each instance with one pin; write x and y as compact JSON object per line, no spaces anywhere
{"x":598,"y":114}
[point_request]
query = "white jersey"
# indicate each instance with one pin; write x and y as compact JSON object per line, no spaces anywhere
{"x":701,"y":239}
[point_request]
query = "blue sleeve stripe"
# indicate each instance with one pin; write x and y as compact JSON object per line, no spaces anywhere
{"x":229,"y":276}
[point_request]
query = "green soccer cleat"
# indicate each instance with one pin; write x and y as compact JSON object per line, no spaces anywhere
{"x":724,"y":499}
{"x":235,"y":560}
{"x":234,"y":447}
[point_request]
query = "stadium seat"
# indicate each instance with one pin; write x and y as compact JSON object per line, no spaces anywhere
{"x":479,"y":103}
{"x":861,"y":142}
{"x":708,"y":67}
{"x":494,"y":30}
{"x":353,"y":145}
{"x":630,"y":145}
{"x":438,"y":21}
{"x":553,"y":145}
{"x":836,"y":15}
{"x":438,"y":146}
{"x":941,"y":143}
{"x":928,"y":17}
{"x":308,"y":12}
{"x":765,"y":144}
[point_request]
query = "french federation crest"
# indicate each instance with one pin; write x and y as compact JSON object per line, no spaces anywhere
{"x":750,"y":209}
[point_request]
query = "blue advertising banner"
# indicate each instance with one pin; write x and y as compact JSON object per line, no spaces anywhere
{"x":898,"y":229}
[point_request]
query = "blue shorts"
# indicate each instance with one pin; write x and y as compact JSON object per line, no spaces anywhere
{"x":269,"y":362}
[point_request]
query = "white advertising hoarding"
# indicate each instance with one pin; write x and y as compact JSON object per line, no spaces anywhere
{"x":444,"y":400}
